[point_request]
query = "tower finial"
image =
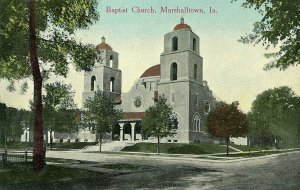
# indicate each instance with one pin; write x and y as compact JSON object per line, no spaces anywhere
{"x":103,"y":39}
{"x":182,"y":20}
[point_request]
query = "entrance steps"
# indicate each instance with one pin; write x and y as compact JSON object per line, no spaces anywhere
{"x":112,"y":146}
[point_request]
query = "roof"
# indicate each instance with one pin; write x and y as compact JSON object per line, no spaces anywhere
{"x":103,"y":45}
{"x":152,"y":71}
{"x":133,"y":115}
{"x":182,"y":25}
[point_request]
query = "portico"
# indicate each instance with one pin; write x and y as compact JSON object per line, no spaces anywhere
{"x":130,"y":126}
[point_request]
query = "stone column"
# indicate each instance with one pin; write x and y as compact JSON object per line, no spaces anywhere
{"x":132,"y":131}
{"x":121,"y":131}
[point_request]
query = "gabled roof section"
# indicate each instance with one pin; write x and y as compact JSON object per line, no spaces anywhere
{"x":133,"y":115}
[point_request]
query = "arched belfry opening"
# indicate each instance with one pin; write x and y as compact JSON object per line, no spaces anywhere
{"x":194,"y":44}
{"x":112,"y":84}
{"x":93,"y":83}
{"x":173,"y":71}
{"x":111,"y":61}
{"x":175,"y":43}
{"x":195,"y":71}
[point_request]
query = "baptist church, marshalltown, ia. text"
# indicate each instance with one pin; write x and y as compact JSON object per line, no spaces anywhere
{"x":162,"y":9}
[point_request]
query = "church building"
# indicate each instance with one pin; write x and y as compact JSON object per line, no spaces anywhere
{"x":178,"y":77}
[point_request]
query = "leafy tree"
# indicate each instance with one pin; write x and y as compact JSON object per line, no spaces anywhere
{"x":259,"y":131}
{"x":12,"y":123}
{"x":227,"y":121}
{"x":2,"y":122}
{"x":59,"y":109}
{"x":68,"y":120}
{"x":296,"y":119}
{"x":37,"y":41}
{"x":16,"y":121}
{"x":100,"y":114}
{"x":159,"y":120}
{"x":279,"y":26}
{"x":276,"y":112}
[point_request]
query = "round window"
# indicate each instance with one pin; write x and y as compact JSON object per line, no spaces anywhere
{"x":137,"y":102}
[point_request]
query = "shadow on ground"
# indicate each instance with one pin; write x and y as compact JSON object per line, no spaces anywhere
{"x":171,"y":177}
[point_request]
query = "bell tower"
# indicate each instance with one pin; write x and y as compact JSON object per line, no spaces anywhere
{"x":105,"y":75}
{"x":181,"y":76}
{"x":181,"y":58}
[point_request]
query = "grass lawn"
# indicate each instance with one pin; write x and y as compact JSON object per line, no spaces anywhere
{"x":23,"y":173}
{"x":177,"y":148}
{"x":66,"y":145}
{"x":16,"y":145}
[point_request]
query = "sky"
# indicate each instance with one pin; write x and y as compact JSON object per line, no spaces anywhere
{"x":234,"y":71}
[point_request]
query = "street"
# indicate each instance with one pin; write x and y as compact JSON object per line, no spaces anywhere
{"x":271,"y":172}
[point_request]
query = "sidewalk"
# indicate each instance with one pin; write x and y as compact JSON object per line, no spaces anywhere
{"x":105,"y":156}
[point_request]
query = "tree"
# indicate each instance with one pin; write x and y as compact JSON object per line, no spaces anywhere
{"x":2,"y":122}
{"x":59,"y":109}
{"x":159,"y":120}
{"x":227,"y":121}
{"x":279,"y":26}
{"x":12,"y":123}
{"x":16,"y":120}
{"x":37,"y":42}
{"x":274,"y":113}
{"x":259,"y":130}
{"x":100,"y":114}
{"x":68,"y":120}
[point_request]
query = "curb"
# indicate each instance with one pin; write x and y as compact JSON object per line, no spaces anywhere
{"x":209,"y":158}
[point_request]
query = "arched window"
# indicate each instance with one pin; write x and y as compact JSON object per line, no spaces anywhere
{"x":196,"y":123}
{"x":173,"y":73}
{"x":195,"y":71}
{"x":112,"y":84}
{"x":206,"y":107}
{"x":93,"y":83}
{"x":111,"y":58}
{"x":175,"y":43}
{"x":194,"y":44}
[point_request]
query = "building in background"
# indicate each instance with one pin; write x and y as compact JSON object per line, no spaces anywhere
{"x":178,"y":77}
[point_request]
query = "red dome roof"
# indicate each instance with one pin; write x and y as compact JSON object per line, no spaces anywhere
{"x":103,"y":45}
{"x":182,"y":25}
{"x":152,"y":71}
